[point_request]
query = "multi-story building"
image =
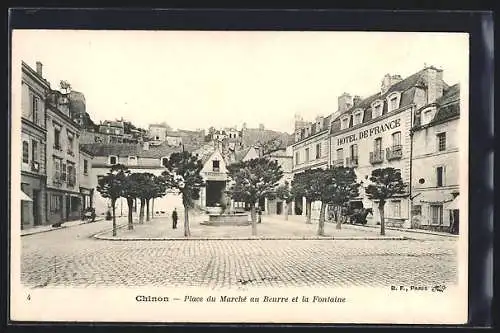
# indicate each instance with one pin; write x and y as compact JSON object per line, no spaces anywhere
{"x":113,"y":130}
{"x":310,"y":151}
{"x":137,"y":158}
{"x":284,"y":157}
{"x":157,"y":132}
{"x":435,"y":167}
{"x":375,"y":132}
{"x":34,"y":141}
{"x":63,"y":192}
{"x":87,"y":183}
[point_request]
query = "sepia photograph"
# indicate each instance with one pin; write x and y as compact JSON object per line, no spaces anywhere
{"x":239,"y":176}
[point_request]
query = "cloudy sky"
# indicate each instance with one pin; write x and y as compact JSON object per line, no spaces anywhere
{"x":199,"y":79}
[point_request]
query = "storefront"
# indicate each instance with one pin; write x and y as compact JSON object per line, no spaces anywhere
{"x":32,"y":208}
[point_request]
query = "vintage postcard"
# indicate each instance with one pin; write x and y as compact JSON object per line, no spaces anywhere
{"x":239,"y":177}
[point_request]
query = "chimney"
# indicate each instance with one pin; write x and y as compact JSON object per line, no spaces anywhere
{"x":344,"y":102}
{"x":434,"y":78}
{"x":388,"y":81}
{"x":145,"y":146}
{"x":39,"y":67}
{"x":357,"y":99}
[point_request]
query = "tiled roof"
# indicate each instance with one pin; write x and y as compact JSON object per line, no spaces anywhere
{"x":255,"y":136}
{"x":240,"y":154}
{"x":98,"y":149}
{"x":405,"y":86}
{"x":448,"y":105}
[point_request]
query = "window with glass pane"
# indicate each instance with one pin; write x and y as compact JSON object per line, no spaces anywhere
{"x":437,"y":214}
{"x":85,"y":166}
{"x":297,"y":161}
{"x":26,"y":153}
{"x":340,"y":154}
{"x":318,"y":150}
{"x":378,"y":145}
{"x":307,"y":154}
{"x":441,"y":141}
{"x":354,"y":151}
{"x":34,"y":151}
{"x":396,"y":208}
{"x":394,"y":103}
{"x":215,"y":165}
{"x":439,"y":176}
{"x":57,"y":138}
{"x":396,"y":139}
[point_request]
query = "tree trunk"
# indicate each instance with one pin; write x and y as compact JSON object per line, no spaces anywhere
{"x":287,"y":206}
{"x":321,"y":223}
{"x":147,"y":209}
{"x":114,"y":217}
{"x":152,"y":208}
{"x":254,"y":222}
{"x":382,"y":219}
{"x":130,"y":204}
{"x":187,"y":231}
{"x":339,"y":218}
{"x":141,"y":211}
{"x":308,"y":211}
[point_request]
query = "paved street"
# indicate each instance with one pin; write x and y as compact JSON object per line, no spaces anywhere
{"x":71,"y":257}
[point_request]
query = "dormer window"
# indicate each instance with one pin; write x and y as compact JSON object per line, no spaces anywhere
{"x":377,"y":108}
{"x":132,"y":160}
{"x":344,"y":122}
{"x":112,"y":160}
{"x":216,"y":166}
{"x":427,"y":115}
{"x":393,"y":101}
{"x":358,"y":117}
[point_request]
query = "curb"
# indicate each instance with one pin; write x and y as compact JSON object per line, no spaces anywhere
{"x":60,"y":228}
{"x":415,"y":231}
{"x":110,"y":238}
{"x":98,"y":235}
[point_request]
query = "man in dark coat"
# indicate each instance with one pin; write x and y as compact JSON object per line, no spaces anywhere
{"x":174,"y":219}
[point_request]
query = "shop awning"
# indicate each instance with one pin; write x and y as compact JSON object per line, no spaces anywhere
{"x":433,"y":197}
{"x":454,"y":204}
{"x":25,"y":197}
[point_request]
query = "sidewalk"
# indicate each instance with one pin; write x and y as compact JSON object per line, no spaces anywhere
{"x":273,"y":227}
{"x":46,"y":228}
{"x":377,"y":227}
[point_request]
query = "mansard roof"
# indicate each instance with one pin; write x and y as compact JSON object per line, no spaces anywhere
{"x":407,"y":88}
{"x":448,"y":107}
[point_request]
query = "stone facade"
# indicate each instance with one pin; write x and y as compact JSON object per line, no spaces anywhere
{"x":63,"y":192}
{"x":33,"y":142}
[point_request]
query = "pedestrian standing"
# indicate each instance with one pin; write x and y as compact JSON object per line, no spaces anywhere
{"x":174,"y":219}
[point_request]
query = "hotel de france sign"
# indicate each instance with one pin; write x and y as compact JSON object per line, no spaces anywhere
{"x":369,"y":132}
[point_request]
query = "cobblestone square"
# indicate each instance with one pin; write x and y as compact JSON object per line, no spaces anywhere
{"x":72,"y":257}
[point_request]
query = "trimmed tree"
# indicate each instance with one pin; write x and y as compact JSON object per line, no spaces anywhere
{"x":111,"y":186}
{"x":385,"y":183}
{"x":284,"y":193}
{"x":254,"y":180}
{"x":184,"y":175}
{"x":344,"y":188}
{"x":131,"y":191}
{"x":302,"y":187}
{"x":144,"y":184}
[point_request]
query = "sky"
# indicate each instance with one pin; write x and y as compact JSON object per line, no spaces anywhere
{"x":195,"y":79}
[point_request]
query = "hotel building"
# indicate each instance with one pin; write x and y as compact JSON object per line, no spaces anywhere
{"x":376,"y":132}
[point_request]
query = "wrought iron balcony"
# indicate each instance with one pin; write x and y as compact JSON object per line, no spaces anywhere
{"x":352,"y":162}
{"x":376,"y":157}
{"x":394,"y":153}
{"x":338,"y":163}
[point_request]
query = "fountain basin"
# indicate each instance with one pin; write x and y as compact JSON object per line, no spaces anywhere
{"x":227,"y":219}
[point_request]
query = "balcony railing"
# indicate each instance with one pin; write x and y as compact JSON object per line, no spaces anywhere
{"x":338,"y":163}
{"x":394,"y":153}
{"x":376,"y":157}
{"x":352,"y":162}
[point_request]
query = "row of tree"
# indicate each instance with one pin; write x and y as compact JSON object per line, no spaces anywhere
{"x":250,"y":182}
{"x":182,"y":175}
